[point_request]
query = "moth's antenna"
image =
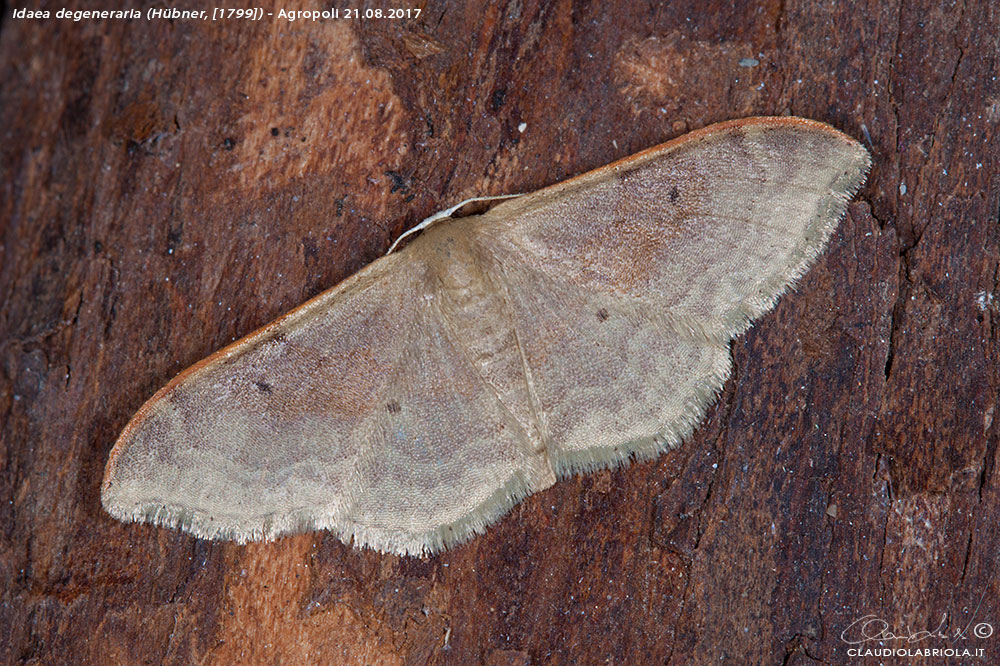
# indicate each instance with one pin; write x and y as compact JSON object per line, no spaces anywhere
{"x":440,"y":215}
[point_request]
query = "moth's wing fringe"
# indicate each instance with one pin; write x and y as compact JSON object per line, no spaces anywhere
{"x":266,"y":528}
{"x":472,"y":524}
{"x":670,"y":436}
{"x":829,"y":212}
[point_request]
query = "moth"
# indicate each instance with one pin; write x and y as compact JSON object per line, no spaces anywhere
{"x":571,"y":329}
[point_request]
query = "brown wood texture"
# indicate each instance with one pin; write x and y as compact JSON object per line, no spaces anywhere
{"x":170,"y":185}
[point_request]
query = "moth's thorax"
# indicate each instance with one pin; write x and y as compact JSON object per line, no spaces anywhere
{"x":453,"y":258}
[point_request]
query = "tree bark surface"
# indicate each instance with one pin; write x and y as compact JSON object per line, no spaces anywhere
{"x":171,"y":185}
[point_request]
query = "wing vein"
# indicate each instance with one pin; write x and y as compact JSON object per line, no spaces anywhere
{"x":537,"y":412}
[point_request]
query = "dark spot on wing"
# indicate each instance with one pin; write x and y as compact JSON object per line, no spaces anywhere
{"x":602,"y":314}
{"x":393,"y":407}
{"x":674,"y":194}
{"x":263,"y":387}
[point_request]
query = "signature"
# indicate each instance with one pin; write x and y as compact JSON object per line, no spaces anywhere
{"x":871,"y":627}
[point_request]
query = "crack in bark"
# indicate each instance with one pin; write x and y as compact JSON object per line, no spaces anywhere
{"x":885,"y":532}
{"x":989,"y":454}
{"x":797,"y":644}
{"x":935,"y":130}
{"x":700,"y":530}
{"x":968,"y":553}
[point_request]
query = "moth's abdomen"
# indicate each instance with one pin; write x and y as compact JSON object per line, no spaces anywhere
{"x":478,"y":317}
